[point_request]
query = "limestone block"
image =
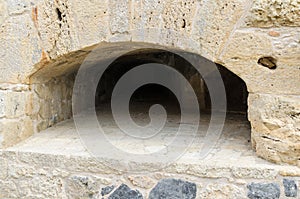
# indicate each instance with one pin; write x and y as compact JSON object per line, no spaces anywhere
{"x":241,"y":56}
{"x":274,"y":13}
{"x":219,"y":191}
{"x":55,"y":26}
{"x":13,"y":131}
{"x":178,"y":15}
{"x":14,"y":104}
{"x":80,"y":186}
{"x":275,"y":121}
{"x":213,"y":24}
{"x":119,"y":16}
{"x":287,"y":46}
{"x":19,"y":48}
{"x":91,"y":23}
{"x":146,"y":14}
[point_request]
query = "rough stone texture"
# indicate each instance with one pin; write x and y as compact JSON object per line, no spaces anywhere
{"x":260,"y":190}
{"x":52,"y":102}
{"x":63,"y":170}
{"x":174,"y":188}
{"x":79,"y":186}
{"x":49,"y":39}
{"x":220,"y":191}
{"x":290,"y":188}
{"x":275,"y":126}
{"x":124,"y":192}
{"x":141,"y":181}
{"x":274,"y":13}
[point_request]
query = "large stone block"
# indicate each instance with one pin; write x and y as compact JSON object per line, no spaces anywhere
{"x":275,"y":121}
{"x":15,"y":130}
{"x":264,"y":190}
{"x":173,"y":188}
{"x":14,"y":104}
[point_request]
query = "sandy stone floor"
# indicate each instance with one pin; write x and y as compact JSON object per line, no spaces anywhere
{"x":233,"y":148}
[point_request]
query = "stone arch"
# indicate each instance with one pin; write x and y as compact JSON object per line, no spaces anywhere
{"x":54,"y":32}
{"x":62,"y":71}
{"x":51,"y":84}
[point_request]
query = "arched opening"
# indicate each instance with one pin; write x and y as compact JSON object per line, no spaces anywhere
{"x":55,"y":98}
{"x":147,"y":95}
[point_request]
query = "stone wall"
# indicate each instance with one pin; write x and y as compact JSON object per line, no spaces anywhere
{"x":55,"y":35}
{"x":34,"y":175}
{"x":52,"y":101}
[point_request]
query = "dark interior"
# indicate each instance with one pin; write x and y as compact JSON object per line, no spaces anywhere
{"x":150,"y":94}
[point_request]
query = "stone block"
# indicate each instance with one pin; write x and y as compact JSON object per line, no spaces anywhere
{"x":174,"y":188}
{"x":220,"y":191}
{"x":275,"y":132}
{"x":14,"y":104}
{"x":124,"y":192}
{"x":15,"y":130}
{"x":290,"y":188}
{"x":263,"y":190}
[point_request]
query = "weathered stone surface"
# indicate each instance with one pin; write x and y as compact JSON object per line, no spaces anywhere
{"x":124,"y":192}
{"x":266,"y":13}
{"x":220,"y":191}
{"x":82,"y":187}
{"x":141,"y":181}
{"x":14,"y":104}
{"x":48,"y":39}
{"x":15,"y":130}
{"x":275,"y":124}
{"x":290,"y":188}
{"x":260,"y":190}
{"x":173,"y":188}
{"x":119,"y":16}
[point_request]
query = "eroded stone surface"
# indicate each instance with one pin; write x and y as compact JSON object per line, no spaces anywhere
{"x":266,"y":13}
{"x":219,"y":191}
{"x":275,"y":124}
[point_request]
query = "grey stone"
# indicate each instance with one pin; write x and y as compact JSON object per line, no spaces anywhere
{"x":290,"y":188}
{"x":173,"y":189}
{"x":124,"y":192}
{"x":263,"y":191}
{"x":107,"y":190}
